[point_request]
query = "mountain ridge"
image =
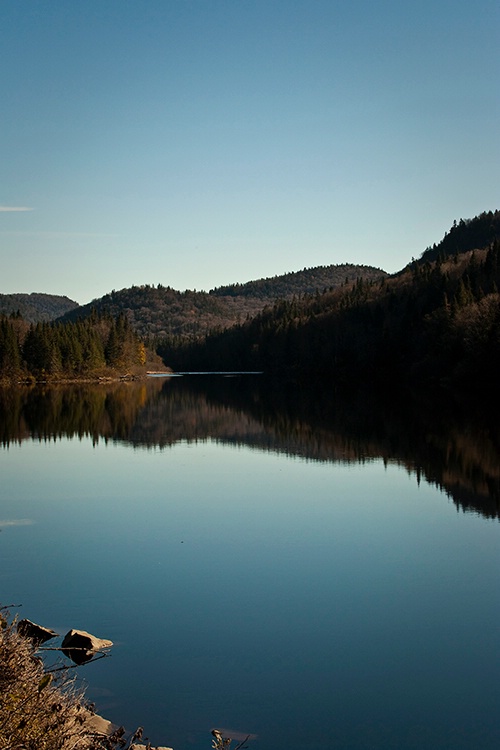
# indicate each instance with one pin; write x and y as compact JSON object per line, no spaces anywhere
{"x":162,"y":312}
{"x":220,"y":305}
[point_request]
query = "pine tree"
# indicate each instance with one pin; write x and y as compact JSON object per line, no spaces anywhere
{"x":10,"y":358}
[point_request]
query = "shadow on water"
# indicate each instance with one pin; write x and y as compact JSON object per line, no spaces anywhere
{"x":449,"y":444}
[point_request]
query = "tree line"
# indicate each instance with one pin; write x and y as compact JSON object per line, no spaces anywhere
{"x":436,"y":322}
{"x":83,"y":348}
{"x":159,"y":312}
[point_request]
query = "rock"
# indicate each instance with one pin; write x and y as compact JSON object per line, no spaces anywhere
{"x":36,"y":633}
{"x":145,"y":747}
{"x":81,"y":646}
{"x":98,"y":724}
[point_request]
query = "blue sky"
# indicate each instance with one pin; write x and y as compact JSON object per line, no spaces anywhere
{"x":195,"y":143}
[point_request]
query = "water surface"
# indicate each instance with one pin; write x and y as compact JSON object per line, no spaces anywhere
{"x":316,"y":571}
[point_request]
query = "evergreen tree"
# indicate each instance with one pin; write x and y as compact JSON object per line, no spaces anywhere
{"x":10,"y":358}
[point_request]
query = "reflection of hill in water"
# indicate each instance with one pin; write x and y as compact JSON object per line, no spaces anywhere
{"x":458,"y":454}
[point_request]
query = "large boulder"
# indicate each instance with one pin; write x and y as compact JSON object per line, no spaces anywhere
{"x":36,"y":633}
{"x":81,"y":646}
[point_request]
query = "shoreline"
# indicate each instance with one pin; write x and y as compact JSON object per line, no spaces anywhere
{"x":42,"y":705}
{"x":96,"y":379}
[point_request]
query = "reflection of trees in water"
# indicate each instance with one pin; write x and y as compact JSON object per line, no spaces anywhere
{"x":440,"y":442}
{"x":451,"y":444}
{"x":82,"y":410}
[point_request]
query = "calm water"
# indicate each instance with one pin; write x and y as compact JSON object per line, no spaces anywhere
{"x":317,"y":571}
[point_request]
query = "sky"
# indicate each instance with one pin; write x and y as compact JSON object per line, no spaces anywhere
{"x":196,"y":143}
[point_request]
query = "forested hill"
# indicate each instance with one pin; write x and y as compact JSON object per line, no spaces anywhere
{"x":36,"y":307}
{"x":436,"y":323}
{"x":307,"y":281}
{"x":163,"y":312}
{"x":464,"y":235}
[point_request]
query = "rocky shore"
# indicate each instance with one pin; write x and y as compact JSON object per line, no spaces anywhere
{"x":41,"y":708}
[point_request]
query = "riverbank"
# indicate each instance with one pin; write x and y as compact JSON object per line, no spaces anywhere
{"x":101,"y":376}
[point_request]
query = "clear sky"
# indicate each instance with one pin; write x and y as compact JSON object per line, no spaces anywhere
{"x":195,"y":143}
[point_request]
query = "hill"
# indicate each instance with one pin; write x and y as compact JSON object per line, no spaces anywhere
{"x":161,"y":312}
{"x":36,"y":307}
{"x":464,"y":235}
{"x":437,"y":322}
{"x":307,"y":281}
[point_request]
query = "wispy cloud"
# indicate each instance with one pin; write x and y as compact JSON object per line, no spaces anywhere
{"x":16,"y":522}
{"x":55,"y":235}
{"x":4,"y":209}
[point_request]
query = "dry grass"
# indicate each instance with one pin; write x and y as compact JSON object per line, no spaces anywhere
{"x":41,"y":710}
